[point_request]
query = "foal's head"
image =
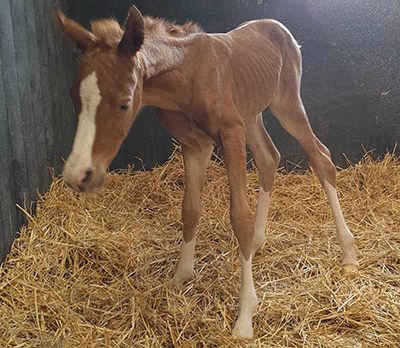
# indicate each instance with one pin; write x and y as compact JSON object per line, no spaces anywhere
{"x":106,"y":94}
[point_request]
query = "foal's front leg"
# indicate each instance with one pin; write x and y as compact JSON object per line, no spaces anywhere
{"x":234,"y":155}
{"x":195,"y":162}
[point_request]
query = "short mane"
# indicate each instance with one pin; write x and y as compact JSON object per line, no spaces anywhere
{"x":160,"y":27}
{"x":108,"y":31}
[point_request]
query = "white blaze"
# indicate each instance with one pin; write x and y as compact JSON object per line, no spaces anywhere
{"x":81,"y":155}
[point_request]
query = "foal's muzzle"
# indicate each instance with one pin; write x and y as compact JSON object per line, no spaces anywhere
{"x":85,"y":180}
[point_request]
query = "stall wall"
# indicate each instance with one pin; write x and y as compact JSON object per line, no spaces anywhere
{"x":36,"y":127}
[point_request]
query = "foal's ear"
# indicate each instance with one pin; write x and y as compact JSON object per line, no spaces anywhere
{"x":134,"y":33}
{"x":81,"y":37}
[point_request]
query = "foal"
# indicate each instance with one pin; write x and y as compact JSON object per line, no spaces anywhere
{"x":208,"y":88}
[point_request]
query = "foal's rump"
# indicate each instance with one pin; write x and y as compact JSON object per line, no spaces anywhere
{"x":265,"y":60}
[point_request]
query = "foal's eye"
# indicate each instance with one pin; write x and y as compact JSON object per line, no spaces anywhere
{"x":123,"y":107}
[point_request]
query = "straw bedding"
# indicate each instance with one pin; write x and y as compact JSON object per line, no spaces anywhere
{"x":94,"y":270}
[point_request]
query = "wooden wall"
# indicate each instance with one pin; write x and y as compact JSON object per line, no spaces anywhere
{"x":36,"y":127}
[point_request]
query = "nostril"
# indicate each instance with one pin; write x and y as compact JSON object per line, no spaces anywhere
{"x":87,"y":176}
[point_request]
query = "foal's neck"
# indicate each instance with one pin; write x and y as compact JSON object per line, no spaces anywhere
{"x":163,"y":54}
{"x":165,"y":80}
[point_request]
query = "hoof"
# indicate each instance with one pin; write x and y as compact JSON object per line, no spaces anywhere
{"x":349,"y":260}
{"x":243,"y":331}
{"x":178,"y":281}
{"x":349,"y":269}
{"x":350,"y":266}
{"x":180,"y":278}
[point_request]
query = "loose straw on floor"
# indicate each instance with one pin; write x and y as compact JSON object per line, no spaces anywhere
{"x":94,"y":270}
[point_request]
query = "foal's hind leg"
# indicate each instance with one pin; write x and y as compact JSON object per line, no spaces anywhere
{"x":293,"y":118}
{"x":267,"y":159}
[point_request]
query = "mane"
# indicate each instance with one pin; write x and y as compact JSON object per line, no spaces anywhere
{"x":108,"y":31}
{"x":154,"y":27}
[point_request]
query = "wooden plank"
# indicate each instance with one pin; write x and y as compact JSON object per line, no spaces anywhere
{"x":44,"y":83}
{"x":12,"y":103}
{"x":25,"y":100}
{"x":36,"y":95}
{"x":8,"y":216}
{"x":55,"y":76}
{"x":11,"y":143}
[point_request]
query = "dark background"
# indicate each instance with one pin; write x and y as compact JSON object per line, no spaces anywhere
{"x":351,"y":57}
{"x":351,"y":73}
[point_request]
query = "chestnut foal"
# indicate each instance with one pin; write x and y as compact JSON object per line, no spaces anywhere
{"x":208,"y":88}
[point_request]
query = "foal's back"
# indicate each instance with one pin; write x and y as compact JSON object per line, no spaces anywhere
{"x":254,"y":63}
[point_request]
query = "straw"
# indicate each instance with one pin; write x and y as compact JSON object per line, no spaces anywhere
{"x":95,"y":270}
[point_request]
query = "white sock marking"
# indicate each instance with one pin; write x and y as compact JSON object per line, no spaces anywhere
{"x":344,"y":236}
{"x":184,"y":269}
{"x":264,"y":198}
{"x":247,"y":302}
